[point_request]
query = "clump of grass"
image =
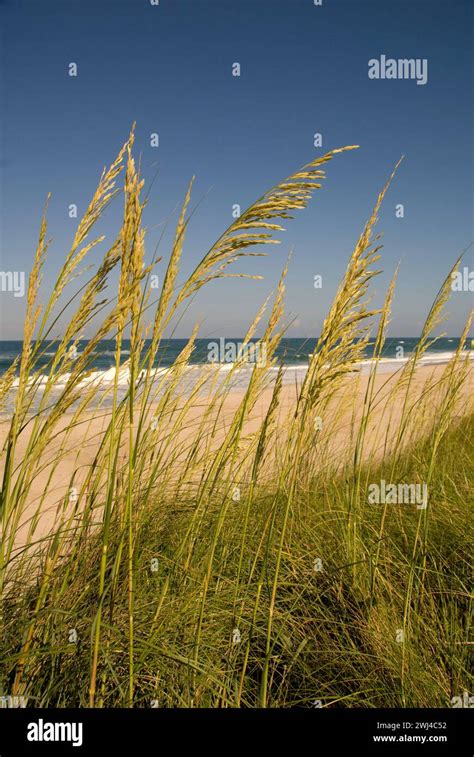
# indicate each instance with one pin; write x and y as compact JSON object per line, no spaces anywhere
{"x":155,"y":582}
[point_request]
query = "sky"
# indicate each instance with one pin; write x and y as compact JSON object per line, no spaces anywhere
{"x":303,"y":71}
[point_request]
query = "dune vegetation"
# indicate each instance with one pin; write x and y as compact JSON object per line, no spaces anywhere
{"x":226,"y":554}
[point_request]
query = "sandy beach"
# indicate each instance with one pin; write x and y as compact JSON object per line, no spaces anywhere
{"x":73,"y":449}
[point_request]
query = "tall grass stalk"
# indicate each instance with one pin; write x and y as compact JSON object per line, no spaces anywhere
{"x":159,"y":529}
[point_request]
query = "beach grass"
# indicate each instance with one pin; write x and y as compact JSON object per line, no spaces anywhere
{"x":220,"y":548}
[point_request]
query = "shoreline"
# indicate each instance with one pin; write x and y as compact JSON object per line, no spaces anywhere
{"x":103,"y":380}
{"x":72,"y":451}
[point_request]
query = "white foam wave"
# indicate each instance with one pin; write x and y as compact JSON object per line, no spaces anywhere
{"x":106,"y":377}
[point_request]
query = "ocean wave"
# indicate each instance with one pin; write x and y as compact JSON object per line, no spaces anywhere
{"x":106,"y":376}
{"x":110,"y":353}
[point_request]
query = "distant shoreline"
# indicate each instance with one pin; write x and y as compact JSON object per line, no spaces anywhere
{"x":291,"y":352}
{"x":292,"y":374}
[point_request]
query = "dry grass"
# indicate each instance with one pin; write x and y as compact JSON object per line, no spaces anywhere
{"x":234,"y":613}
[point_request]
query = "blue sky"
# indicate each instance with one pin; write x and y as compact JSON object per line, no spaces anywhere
{"x":304,"y":69}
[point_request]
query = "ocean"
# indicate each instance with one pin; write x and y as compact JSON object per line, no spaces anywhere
{"x":290,"y":352}
{"x":293,"y":354}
